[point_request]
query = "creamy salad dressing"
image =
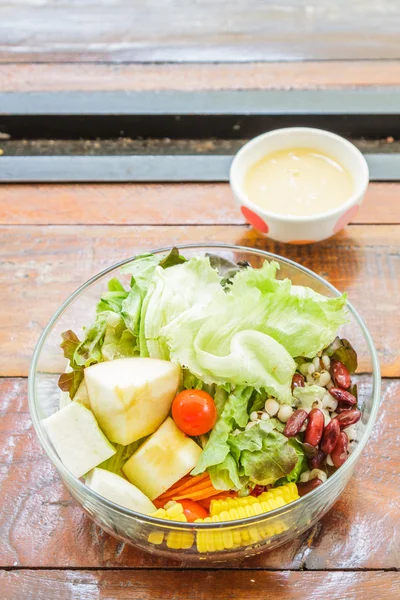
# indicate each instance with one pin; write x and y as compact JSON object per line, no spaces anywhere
{"x":298,"y":181}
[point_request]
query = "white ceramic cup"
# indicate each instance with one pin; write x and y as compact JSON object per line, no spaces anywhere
{"x":295,"y":229}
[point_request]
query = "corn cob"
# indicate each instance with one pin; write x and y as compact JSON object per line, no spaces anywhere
{"x":231,"y":509}
{"x":267,"y":501}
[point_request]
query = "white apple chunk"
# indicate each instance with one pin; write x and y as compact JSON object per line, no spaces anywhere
{"x":77,"y":438}
{"x":118,"y":490}
{"x":163,"y":459}
{"x":81,"y":395}
{"x":131,"y":397}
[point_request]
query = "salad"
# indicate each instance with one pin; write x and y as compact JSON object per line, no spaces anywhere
{"x":206,"y":391}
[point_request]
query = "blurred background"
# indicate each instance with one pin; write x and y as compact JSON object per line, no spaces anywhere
{"x":200,"y":30}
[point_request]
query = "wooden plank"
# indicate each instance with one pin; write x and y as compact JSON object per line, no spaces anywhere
{"x":41,"y":265}
{"x":195,"y":585}
{"x":148,"y":77}
{"x":151,"y":204}
{"x":40,"y":525}
{"x":177,"y":31}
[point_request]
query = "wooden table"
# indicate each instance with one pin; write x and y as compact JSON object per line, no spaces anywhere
{"x":55,"y":236}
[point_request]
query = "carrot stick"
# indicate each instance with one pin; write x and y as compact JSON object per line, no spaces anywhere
{"x":191,"y":483}
{"x":197,"y":494}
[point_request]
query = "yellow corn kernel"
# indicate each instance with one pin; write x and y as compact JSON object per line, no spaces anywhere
{"x":159,"y":513}
{"x":187,"y":540}
{"x":174,"y":540}
{"x":174,"y":510}
{"x":156,"y":537}
{"x":218,"y":541}
{"x":237,"y":538}
{"x":179,"y":518}
{"x":254,"y":534}
{"x":216,"y":507}
{"x":227,"y":539}
{"x":223,"y":516}
{"x":245,"y":536}
{"x":241,"y":512}
{"x":257,"y":509}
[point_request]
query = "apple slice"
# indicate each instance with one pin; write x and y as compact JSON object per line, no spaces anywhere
{"x":81,"y":395}
{"x":131,"y":397}
{"x":162,"y":460}
{"x":77,"y":438}
{"x":118,"y":490}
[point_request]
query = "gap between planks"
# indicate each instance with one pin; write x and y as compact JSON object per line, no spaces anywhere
{"x":207,"y":567}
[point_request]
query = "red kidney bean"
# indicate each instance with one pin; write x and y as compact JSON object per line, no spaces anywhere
{"x":297,"y":381}
{"x":259,"y":489}
{"x":308,"y":486}
{"x":316,"y":461}
{"x":343,"y":396}
{"x":331,"y":436}
{"x":348,"y":417}
{"x":315,"y":427}
{"x":295,"y":423}
{"x":339,"y":453}
{"x":340,"y":375}
{"x":343,"y":406}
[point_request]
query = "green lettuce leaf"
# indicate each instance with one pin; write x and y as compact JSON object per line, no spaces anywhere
{"x":225,"y":476}
{"x":171,"y":292}
{"x":343,"y":351}
{"x":257,"y":401}
{"x":131,"y":307}
{"x":307,"y":395}
{"x":118,"y":340}
{"x":234,"y":414}
{"x":117,"y":461}
{"x":172,"y":258}
{"x":301,"y":464}
{"x":220,"y":344}
{"x":141,"y":269}
{"x":226,"y":268}
{"x":265,"y":453}
{"x":249,"y":335}
{"x":112,"y":299}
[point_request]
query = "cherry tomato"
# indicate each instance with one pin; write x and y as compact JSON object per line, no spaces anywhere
{"x":194,"y":412}
{"x":192,"y":510}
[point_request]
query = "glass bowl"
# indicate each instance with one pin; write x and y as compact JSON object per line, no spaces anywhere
{"x":204,"y":541}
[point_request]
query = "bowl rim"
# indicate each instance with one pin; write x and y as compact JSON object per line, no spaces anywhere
{"x":77,"y":483}
{"x":356,"y":197}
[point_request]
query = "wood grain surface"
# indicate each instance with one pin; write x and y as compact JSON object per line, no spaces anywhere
{"x":180,"y":31}
{"x":54,"y":237}
{"x":152,"y":204}
{"x":41,"y":526}
{"x":194,"y":585}
{"x":41,"y":265}
{"x":29,"y":77}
